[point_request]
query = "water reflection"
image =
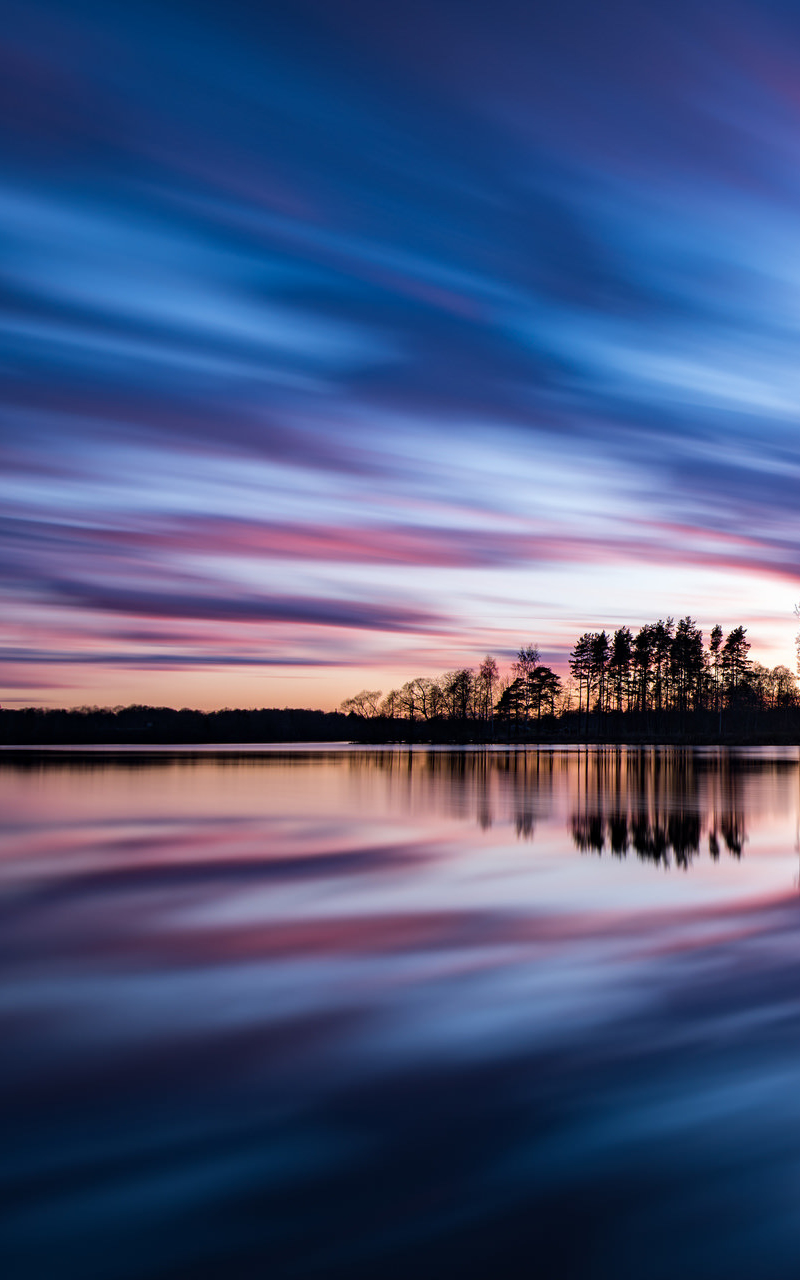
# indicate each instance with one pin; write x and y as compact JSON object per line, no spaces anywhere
{"x":662,"y":805}
{"x":373,"y":1012}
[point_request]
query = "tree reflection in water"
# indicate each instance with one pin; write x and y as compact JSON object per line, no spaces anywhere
{"x":660,"y":803}
{"x":294,"y":1014}
{"x":664,"y":804}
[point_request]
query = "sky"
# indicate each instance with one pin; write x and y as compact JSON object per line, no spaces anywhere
{"x":347,"y":342}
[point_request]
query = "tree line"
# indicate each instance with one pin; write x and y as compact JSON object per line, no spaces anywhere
{"x":140,"y":725}
{"x":662,"y":670}
{"x":663,"y":681}
{"x":666,"y":666}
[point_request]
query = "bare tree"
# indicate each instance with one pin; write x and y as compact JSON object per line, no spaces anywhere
{"x":784,"y":687}
{"x":392,"y":705}
{"x":526,"y":663}
{"x":486,"y":680}
{"x":366,"y":703}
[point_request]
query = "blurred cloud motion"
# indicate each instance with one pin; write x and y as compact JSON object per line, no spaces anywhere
{"x":344,"y":336}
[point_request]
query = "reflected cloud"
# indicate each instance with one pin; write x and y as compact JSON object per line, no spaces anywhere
{"x":345,"y":991}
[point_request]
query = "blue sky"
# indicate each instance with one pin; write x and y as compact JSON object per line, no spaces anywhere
{"x":345,"y":343}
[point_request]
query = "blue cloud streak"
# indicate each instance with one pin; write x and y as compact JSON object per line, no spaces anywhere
{"x":357,"y":257}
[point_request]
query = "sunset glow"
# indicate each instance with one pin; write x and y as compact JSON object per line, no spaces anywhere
{"x":345,"y":343}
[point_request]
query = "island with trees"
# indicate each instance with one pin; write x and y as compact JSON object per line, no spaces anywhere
{"x":662,"y":683}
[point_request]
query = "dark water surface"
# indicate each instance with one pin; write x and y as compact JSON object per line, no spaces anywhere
{"x":400,"y":1013}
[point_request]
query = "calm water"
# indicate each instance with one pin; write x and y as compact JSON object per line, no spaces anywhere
{"x":388,"y":1013}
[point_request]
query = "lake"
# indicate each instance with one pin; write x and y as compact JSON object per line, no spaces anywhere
{"x":349,"y":1012}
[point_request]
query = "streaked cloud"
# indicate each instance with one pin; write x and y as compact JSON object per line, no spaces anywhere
{"x":333,"y":319}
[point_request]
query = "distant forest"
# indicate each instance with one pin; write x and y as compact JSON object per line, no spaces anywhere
{"x":662,"y":684}
{"x":164,"y":726}
{"x":661,"y":681}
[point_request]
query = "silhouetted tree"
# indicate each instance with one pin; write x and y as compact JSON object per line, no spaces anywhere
{"x":715,"y":646}
{"x":784,"y":687}
{"x":392,"y":706}
{"x":687,"y":664}
{"x":485,"y":682}
{"x":457,"y":690}
{"x":544,"y":687}
{"x":580,"y":664}
{"x":735,"y":662}
{"x":511,"y":702}
{"x":643,"y":647}
{"x":527,"y":661}
{"x":759,"y":680}
{"x":410,"y":701}
{"x":662,"y":647}
{"x":600,"y":655}
{"x":366,"y":703}
{"x":619,"y":664}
